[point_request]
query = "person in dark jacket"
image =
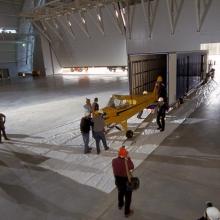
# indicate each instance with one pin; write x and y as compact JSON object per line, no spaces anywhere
{"x":95,"y":105}
{"x":121,"y":180}
{"x":161,"y":113}
{"x":162,"y":91}
{"x":99,"y":131}
{"x":2,"y":127}
{"x":85,"y":126}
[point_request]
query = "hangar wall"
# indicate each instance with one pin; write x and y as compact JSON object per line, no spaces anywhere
{"x":51,"y":64}
{"x":25,"y":50}
{"x":186,"y":37}
{"x":93,"y":50}
{"x":112,"y":48}
{"x":8,"y":20}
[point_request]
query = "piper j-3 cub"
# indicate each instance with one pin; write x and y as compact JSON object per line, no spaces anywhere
{"x":122,"y":107}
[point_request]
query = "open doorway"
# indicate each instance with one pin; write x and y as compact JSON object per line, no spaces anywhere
{"x":144,"y":70}
{"x":213,"y":57}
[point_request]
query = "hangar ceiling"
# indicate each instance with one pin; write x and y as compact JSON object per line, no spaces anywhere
{"x":49,"y":10}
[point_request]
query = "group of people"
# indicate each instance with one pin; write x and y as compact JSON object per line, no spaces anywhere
{"x":93,"y":121}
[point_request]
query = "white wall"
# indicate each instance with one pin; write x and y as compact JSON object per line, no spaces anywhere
{"x":8,"y":20}
{"x":172,"y":61}
{"x":51,"y":64}
{"x":186,"y":38}
{"x":8,"y":14}
{"x":112,"y":48}
{"x":98,"y":50}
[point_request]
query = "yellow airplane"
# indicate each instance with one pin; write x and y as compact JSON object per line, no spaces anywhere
{"x":122,"y":107}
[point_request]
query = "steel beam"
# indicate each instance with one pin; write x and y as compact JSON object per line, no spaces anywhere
{"x":202,"y":8}
{"x":81,"y":25}
{"x":53,"y":29}
{"x":115,"y":17}
{"x":40,"y":30}
{"x":174,"y":10}
{"x":150,"y":13}
{"x":97,"y":22}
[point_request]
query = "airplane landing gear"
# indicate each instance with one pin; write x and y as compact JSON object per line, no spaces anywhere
{"x":129,"y":134}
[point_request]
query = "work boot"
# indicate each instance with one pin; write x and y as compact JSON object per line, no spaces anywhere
{"x":87,"y":152}
{"x":129,"y":214}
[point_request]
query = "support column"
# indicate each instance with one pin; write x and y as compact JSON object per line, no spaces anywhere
{"x":172,"y":71}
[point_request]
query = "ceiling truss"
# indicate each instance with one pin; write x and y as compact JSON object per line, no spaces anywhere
{"x":202,"y":8}
{"x":174,"y":10}
{"x":150,"y":10}
{"x":57,"y":15}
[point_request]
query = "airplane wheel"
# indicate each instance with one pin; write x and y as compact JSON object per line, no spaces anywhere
{"x":129,"y":134}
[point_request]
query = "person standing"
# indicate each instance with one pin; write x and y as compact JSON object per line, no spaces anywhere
{"x":95,"y":105}
{"x":161,"y":113}
{"x":99,"y":131}
{"x":2,"y":127}
{"x":85,"y":126}
{"x":121,"y":180}
{"x":88,"y":107}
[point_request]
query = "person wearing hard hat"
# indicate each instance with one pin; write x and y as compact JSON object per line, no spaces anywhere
{"x":211,"y":213}
{"x":121,"y":179}
{"x":161,"y":113}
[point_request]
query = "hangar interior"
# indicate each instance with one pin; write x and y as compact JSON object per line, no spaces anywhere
{"x":56,"y":53}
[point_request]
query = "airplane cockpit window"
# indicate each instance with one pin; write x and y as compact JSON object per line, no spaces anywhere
{"x":118,"y":103}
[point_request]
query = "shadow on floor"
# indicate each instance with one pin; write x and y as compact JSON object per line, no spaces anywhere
{"x":198,"y":161}
{"x":22,"y":136}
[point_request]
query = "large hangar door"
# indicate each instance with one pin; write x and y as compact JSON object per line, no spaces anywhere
{"x":143,"y":71}
{"x":190,"y":71}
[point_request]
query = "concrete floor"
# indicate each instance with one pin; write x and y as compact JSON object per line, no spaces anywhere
{"x":176,"y":179}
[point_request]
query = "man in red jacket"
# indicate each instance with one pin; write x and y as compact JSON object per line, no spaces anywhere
{"x":121,"y":179}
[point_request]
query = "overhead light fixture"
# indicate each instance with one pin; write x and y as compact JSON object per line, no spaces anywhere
{"x":123,"y":18}
{"x":116,"y":13}
{"x":99,"y":17}
{"x":83,"y":20}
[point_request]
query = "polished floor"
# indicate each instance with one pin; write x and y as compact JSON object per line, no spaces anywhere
{"x":44,"y":174}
